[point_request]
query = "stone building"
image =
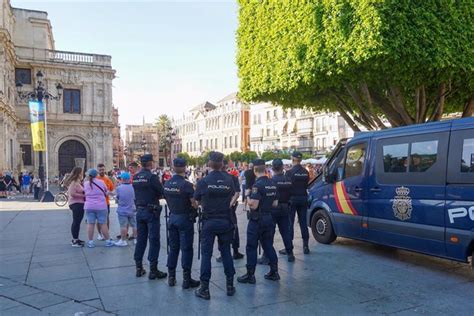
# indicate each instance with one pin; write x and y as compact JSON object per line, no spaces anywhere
{"x":80,"y":124}
{"x":274,"y":128}
{"x":117,"y":144}
{"x":141,"y":139}
{"x":223,"y":126}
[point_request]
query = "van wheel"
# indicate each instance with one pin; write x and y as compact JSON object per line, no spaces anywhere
{"x":321,"y":228}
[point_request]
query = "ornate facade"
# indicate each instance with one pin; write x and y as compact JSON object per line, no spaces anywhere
{"x":223,"y":127}
{"x":80,"y":125}
{"x":275,"y":128}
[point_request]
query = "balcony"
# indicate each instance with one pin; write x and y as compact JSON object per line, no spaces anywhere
{"x":29,"y":54}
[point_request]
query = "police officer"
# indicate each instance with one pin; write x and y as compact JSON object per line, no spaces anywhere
{"x":179,"y":197}
{"x":216,"y":194}
{"x":263,"y":199}
{"x":148,"y":192}
{"x":235,"y":237}
{"x":299,"y":177}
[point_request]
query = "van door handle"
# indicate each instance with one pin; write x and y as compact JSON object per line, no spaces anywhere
{"x":358,"y":189}
{"x":375,"y":189}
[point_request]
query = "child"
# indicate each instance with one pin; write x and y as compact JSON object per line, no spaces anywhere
{"x":126,"y":209}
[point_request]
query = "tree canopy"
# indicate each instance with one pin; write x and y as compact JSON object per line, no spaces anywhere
{"x":403,"y":60}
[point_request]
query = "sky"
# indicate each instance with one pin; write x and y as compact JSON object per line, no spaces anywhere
{"x":168,"y":55}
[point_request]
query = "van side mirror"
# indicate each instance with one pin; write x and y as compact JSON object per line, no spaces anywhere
{"x":327,"y":176}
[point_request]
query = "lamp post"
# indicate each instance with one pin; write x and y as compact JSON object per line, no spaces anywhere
{"x":39,"y":94}
{"x":169,"y":140}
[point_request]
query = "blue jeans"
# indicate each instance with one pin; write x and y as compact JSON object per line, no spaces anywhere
{"x":222,"y":229}
{"x":299,"y":205}
{"x":181,"y":236}
{"x":261,"y":230}
{"x":148,"y":226}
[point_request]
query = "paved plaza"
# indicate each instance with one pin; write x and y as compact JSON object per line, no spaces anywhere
{"x":40,"y":274}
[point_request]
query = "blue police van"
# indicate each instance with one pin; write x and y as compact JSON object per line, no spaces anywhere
{"x":409,"y":187}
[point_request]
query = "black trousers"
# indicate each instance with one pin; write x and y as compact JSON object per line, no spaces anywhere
{"x":77,"y":216}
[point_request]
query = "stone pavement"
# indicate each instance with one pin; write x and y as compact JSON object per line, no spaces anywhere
{"x":40,"y":273}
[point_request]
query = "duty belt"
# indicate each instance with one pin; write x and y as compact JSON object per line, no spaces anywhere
{"x":211,"y":216}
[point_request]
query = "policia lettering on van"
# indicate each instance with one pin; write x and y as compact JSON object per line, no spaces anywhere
{"x":409,"y":187}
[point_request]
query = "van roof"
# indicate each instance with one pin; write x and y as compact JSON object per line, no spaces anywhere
{"x":416,"y":128}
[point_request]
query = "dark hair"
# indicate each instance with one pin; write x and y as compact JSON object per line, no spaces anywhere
{"x":100,"y":165}
{"x":215,"y":165}
{"x":74,"y":176}
{"x":259,"y":169}
{"x":179,"y":169}
{"x":278,"y":169}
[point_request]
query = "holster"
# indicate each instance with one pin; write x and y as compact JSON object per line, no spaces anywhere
{"x":155,"y":209}
{"x":193,"y":215}
{"x":253,"y":215}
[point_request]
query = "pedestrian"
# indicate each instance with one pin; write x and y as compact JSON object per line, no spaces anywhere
{"x":249,"y":180}
{"x":299,"y":177}
{"x":217,"y":194}
{"x":26,"y":179}
{"x":110,"y":188}
{"x":148,"y":192}
{"x":76,"y":202}
{"x":261,"y":228}
{"x":36,"y":183}
{"x":126,"y":209}
{"x":179,"y":193}
{"x":96,"y":207}
{"x":3,"y":186}
{"x":235,"y":235}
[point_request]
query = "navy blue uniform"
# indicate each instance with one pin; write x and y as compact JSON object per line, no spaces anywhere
{"x":235,"y":237}
{"x":148,"y":192}
{"x":215,"y":193}
{"x":299,"y":177}
{"x":281,"y":214}
{"x":261,"y":226}
{"x":178,"y":193}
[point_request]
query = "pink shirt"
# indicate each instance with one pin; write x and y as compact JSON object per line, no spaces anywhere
{"x":95,"y":197}
{"x":76,"y":193}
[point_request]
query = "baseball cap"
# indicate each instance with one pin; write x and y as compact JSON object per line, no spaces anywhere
{"x":216,"y":156}
{"x":277,"y":163}
{"x":297,"y":154}
{"x":92,"y":173}
{"x":258,"y":162}
{"x":179,"y":162}
{"x":125,"y":176}
{"x":146,"y":158}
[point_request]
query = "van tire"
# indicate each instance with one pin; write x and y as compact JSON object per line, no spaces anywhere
{"x":321,"y":227}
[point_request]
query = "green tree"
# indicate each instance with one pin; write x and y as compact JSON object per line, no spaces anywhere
{"x":403,"y":60}
{"x":164,"y":129}
{"x":249,"y":156}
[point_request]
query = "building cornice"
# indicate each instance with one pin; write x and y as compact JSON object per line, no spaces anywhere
{"x":9,"y":111}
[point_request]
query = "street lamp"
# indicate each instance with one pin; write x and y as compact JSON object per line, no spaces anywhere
{"x":40,"y":93}
{"x":144,"y":145}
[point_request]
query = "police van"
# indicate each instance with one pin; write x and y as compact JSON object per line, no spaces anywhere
{"x":409,"y":187}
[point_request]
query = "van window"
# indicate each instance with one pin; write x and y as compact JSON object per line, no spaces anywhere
{"x":423,"y":155}
{"x":467,"y":158}
{"x":355,"y":159}
{"x":395,"y":157}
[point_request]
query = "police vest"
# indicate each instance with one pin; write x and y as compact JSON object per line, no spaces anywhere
{"x":217,"y":196}
{"x":178,"y":201}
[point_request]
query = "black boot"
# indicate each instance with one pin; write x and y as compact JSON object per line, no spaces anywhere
{"x":249,"y":277}
{"x":282,"y":251}
{"x":171,"y":277}
{"x":291,"y":256}
{"x":263,"y":260}
{"x":155,"y":273}
{"x":306,"y":249}
{"x":273,"y":274}
{"x":188,"y":281}
{"x":140,"y":271}
{"x":203,"y":291}
{"x":230,"y":286}
{"x":237,"y":255}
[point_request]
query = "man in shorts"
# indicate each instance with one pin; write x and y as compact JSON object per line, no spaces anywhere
{"x":126,"y":209}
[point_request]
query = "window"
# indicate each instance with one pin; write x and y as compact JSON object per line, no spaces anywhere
{"x":26,"y":155}
{"x":395,"y":158}
{"x":268,"y":115}
{"x":275,"y":114}
{"x":215,"y":143}
{"x":259,"y":119}
{"x":355,"y":159}
{"x":236,"y":141}
{"x":212,"y":143}
{"x":23,"y":75}
{"x":225,"y":142}
{"x":324,"y":143}
{"x":72,"y":101}
{"x":423,"y":155}
{"x":230,"y":141}
{"x":467,"y":159}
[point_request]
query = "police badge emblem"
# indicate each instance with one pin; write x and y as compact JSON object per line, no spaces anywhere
{"x":402,"y":206}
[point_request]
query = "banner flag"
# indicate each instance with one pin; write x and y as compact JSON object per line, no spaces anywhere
{"x":37,"y":120}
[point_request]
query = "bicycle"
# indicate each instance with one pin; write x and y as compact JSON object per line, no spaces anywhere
{"x":61,"y":198}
